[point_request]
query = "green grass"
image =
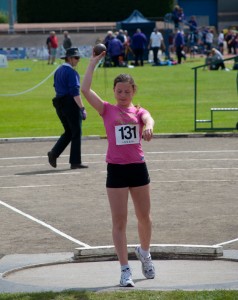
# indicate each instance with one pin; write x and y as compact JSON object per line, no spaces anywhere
{"x":126,"y":295}
{"x":167,"y":92}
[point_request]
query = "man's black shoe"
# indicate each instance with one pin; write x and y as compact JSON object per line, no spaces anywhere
{"x":78,"y":166}
{"x":52,"y":159}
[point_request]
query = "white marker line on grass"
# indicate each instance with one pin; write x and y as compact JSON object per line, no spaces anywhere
{"x":44,"y":224}
{"x":226,"y":243}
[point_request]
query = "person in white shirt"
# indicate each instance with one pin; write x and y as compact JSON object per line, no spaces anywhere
{"x":216,"y":60}
{"x":221,"y":42}
{"x":155,"y":44}
{"x":209,"y":39}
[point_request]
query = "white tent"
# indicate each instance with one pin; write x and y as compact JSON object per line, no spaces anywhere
{"x":3,"y":61}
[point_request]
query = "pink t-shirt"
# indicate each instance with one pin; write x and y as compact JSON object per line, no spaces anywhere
{"x":124,"y":132}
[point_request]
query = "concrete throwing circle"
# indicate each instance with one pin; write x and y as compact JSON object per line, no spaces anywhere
{"x":170,"y":275}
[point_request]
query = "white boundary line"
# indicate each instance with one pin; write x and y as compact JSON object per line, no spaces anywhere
{"x":44,"y":224}
{"x":146,"y":152}
{"x":44,"y":156}
{"x":191,"y":151}
{"x":195,"y":180}
{"x":32,"y":88}
{"x":32,"y":186}
{"x":226,"y":243}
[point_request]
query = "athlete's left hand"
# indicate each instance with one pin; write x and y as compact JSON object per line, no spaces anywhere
{"x":147,"y":134}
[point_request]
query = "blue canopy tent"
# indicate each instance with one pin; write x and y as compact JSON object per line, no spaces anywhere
{"x":134,"y":21}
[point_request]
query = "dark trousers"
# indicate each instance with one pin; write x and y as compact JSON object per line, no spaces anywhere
{"x":115,"y":60}
{"x":155,"y":54}
{"x":139,"y":56}
{"x":180,"y":54}
{"x":70,"y":116}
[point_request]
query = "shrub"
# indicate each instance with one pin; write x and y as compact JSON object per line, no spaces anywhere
{"x":3,"y":17}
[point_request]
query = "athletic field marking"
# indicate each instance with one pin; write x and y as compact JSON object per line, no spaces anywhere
{"x":45,"y":164}
{"x":193,"y":169}
{"x":193,"y":159}
{"x":33,"y":88}
{"x":44,"y":224}
{"x":228,"y":242}
{"x":43,"y":156}
{"x":31,"y":186}
{"x":104,"y":171}
{"x":190,"y":151}
{"x":153,"y":181}
{"x":147,"y":160}
{"x":48,"y":174}
{"x":191,"y":180}
{"x":103,"y":154}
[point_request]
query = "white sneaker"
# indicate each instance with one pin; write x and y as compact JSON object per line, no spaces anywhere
{"x":148,"y":268}
{"x":126,"y":280}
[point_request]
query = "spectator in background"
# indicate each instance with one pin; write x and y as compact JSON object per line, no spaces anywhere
{"x":201,"y":39}
{"x":155,"y":44}
{"x":192,"y":41}
{"x":179,"y":45}
{"x":171,"y":42}
{"x":139,"y":42}
{"x":215,"y":59}
{"x":108,"y":38}
{"x":232,"y":43}
{"x":229,"y":38}
{"x":175,"y":16}
{"x":181,"y":18}
{"x":121,"y":36}
{"x":52,"y":45}
{"x":127,"y":45}
{"x":115,"y":50}
{"x":178,"y":16}
{"x":192,"y":23}
{"x":236,"y":44}
{"x":67,"y":43}
{"x":220,"y":42}
{"x":209,"y":39}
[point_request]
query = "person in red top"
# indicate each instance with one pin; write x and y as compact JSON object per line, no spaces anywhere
{"x":52,"y":45}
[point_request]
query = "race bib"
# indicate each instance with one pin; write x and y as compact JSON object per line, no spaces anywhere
{"x":127,"y":134}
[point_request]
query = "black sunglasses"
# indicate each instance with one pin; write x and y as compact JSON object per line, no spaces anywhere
{"x":76,"y":57}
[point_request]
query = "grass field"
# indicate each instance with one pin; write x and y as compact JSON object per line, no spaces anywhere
{"x":125,"y":295}
{"x":167,"y":92}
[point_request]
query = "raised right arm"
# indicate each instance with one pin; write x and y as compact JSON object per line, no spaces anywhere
{"x":93,"y":99}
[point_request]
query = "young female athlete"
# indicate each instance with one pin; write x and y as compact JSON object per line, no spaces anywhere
{"x":127,"y":172}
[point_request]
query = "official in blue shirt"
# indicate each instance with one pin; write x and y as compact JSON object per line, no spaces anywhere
{"x":70,"y":110}
{"x":179,"y":45}
{"x":139,"y":42}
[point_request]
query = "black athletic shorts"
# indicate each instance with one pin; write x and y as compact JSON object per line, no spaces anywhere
{"x":130,"y":175}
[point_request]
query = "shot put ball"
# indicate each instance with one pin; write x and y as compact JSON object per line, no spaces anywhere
{"x":99,"y":48}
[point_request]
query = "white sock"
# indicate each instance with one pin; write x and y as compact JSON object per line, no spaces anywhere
{"x":124,"y":267}
{"x":144,"y":253}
